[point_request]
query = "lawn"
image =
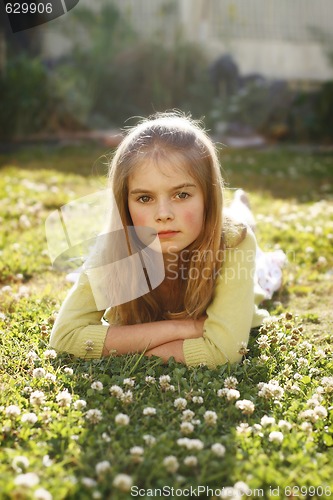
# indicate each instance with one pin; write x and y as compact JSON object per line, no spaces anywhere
{"x":131,"y":427}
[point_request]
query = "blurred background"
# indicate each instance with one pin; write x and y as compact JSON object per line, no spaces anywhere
{"x":256,"y":71}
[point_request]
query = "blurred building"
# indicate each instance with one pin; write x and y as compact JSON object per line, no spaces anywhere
{"x":276,"y":38}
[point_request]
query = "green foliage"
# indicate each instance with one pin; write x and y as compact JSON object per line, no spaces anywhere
{"x":25,"y":97}
{"x":71,"y":455}
{"x":116,"y":74}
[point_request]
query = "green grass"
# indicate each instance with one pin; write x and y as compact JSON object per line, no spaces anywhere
{"x":291,"y":194}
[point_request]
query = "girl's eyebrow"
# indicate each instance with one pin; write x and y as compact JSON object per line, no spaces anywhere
{"x":174,"y":188}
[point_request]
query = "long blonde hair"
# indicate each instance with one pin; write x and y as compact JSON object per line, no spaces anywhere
{"x":162,"y":136}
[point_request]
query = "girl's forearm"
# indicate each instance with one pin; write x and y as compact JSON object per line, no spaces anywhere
{"x":143,"y":337}
{"x":171,"y":349}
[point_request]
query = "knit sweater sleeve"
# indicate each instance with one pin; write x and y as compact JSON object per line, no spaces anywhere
{"x":78,"y":329}
{"x":231,"y":312}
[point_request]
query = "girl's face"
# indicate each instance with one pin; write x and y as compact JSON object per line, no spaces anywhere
{"x":169,"y":201}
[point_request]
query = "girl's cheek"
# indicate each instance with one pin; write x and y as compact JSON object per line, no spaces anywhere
{"x":138,"y":218}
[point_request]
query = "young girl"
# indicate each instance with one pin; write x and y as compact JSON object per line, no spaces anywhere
{"x":166,"y":181}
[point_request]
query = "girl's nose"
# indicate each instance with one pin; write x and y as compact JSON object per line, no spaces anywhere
{"x":164,"y":212}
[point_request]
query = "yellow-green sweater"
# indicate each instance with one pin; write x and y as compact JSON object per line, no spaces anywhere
{"x":232,"y":313}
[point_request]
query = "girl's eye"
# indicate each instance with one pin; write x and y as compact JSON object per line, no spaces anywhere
{"x":183,"y":195}
{"x":144,"y":199}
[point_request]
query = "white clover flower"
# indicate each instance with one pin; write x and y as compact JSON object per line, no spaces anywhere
{"x":170,"y":388}
{"x":97,"y":386}
{"x":50,"y":354}
{"x":243,"y":350}
{"x":13,"y":411}
{"x":245,"y":406}
{"x":314,"y":401}
{"x":136,"y":453}
{"x":171,"y":464}
{"x":30,"y":418}
{"x":327,"y":383}
{"x":190,"y":444}
{"x":28,"y":480}
{"x":186,"y":428}
{"x":221,"y":393}
{"x":210,"y":417}
{"x":20,"y":462}
{"x":266,"y":421}
{"x":116,"y":391}
{"x":126,"y":397}
{"x":94,"y":416}
{"x":270,"y":390}
{"x":102,"y":467}
{"x":50,"y":376}
{"x":37,"y":398}
{"x":263,"y":342}
{"x":38,"y":373}
{"x":180,"y":403}
{"x":306,"y":427}
{"x":47,"y":462}
{"x":164,"y":379}
{"x":198,"y":400}
{"x":232,"y":394}
{"x":123,"y":482}
{"x":129,"y":382}
{"x":106,"y":437}
{"x":122,"y":419}
{"x":88,"y":482}
{"x":64,"y":398}
{"x":149,"y":411}
{"x":305,"y":346}
{"x":295,"y":389}
{"x":257,"y":428}
{"x":275,"y":437}
{"x":68,"y":371}
{"x":42,"y":494}
{"x":284,"y":425}
{"x":137,"y":450}
{"x":150,"y":380}
{"x":149,"y":439}
{"x":263,"y":359}
{"x":187,"y":415}
{"x":320,"y":411}
{"x":32,"y":356}
{"x":79,"y":404}
{"x":190,"y":461}
{"x":244,"y":429}
{"x":302,"y":362}
{"x":218,"y":449}
{"x":322,"y":261}
{"x":307,"y":415}
{"x":242,"y":488}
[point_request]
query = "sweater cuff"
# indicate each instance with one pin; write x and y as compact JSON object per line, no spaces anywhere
{"x":87,"y":343}
{"x":92,"y":341}
{"x":196,"y":352}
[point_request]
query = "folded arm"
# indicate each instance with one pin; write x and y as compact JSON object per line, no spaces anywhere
{"x":78,"y":329}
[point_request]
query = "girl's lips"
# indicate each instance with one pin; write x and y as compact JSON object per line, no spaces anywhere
{"x":167,"y":234}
